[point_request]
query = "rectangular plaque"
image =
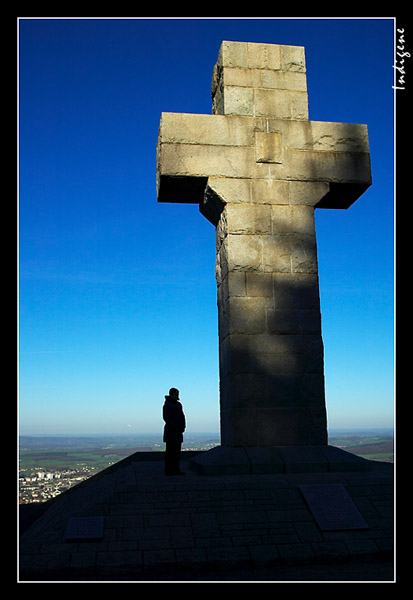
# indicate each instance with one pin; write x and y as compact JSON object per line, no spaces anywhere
{"x":332,"y":507}
{"x":84,"y":529}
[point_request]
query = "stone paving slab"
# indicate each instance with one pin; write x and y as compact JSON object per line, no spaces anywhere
{"x":159,"y":527}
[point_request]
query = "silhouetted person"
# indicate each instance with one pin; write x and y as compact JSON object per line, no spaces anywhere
{"x":175,"y":424}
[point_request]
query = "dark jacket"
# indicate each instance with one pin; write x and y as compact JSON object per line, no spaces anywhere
{"x":174,"y":418}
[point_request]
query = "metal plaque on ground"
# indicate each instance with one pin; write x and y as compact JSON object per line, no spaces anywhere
{"x":84,"y":529}
{"x":332,"y":507}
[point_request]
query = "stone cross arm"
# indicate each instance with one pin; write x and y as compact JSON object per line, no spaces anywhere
{"x":254,"y":159}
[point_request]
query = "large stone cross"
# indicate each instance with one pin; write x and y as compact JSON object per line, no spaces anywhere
{"x":258,"y":167}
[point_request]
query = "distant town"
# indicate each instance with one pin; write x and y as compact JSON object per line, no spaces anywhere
{"x":36,"y":485}
{"x":50,"y":465}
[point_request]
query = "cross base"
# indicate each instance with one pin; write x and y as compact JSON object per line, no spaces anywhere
{"x":224,"y":460}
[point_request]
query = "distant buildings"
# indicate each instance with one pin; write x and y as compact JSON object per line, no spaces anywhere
{"x":40,"y":486}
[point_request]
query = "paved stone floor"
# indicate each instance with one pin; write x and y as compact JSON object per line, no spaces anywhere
{"x":204,"y":528}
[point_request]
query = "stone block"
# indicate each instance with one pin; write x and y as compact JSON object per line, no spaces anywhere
{"x":339,"y":137}
{"x":276,"y":254}
{"x":268,"y":147}
{"x":311,"y":344}
{"x":231,"y":189}
{"x":264,"y":554}
{"x":301,"y":459}
{"x":221,"y":265}
{"x":247,"y":315}
{"x":303,"y":220}
{"x":275,"y":171}
{"x":234,"y":285}
{"x":247,"y":389}
{"x":240,"y":77}
{"x":284,"y":80}
{"x":303,"y":254}
{"x":307,"y":193}
{"x":264,"y":56}
{"x":221,"y":461}
{"x":215,"y":130}
{"x":286,"y":426}
{"x":285,"y":291}
{"x":282,"y":104}
{"x":340,"y":460}
{"x":269,"y":191}
{"x":224,"y":460}
{"x":217,"y":94}
{"x":239,"y":101}
{"x":310,"y":363}
{"x":312,"y":393}
{"x":315,"y":136}
{"x":223,"y":322}
{"x":259,"y":285}
{"x":292,"y":220}
{"x":307,"y":290}
{"x":293,"y":58}
{"x":233,"y":54}
{"x":283,"y":391}
{"x":192,"y":557}
{"x":242,"y":252}
{"x":265,"y":460}
{"x":236,"y":357}
{"x":238,"y":427}
{"x":308,"y":532}
{"x":205,"y":524}
{"x":283,"y":320}
{"x":276,"y":344}
{"x":296,"y":552}
{"x":229,"y":557}
{"x":276,"y":365}
{"x":310,"y":320}
{"x":340,"y":167}
{"x":250,"y":219}
{"x":299,"y":105}
{"x":272,"y":102}
{"x":195,"y":160}
{"x":282,"y":220}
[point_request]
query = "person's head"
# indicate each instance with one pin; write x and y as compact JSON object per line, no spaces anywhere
{"x":174,"y":393}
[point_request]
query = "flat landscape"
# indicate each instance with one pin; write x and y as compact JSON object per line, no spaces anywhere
{"x":96,"y":452}
{"x":379,"y":446}
{"x":53,"y":453}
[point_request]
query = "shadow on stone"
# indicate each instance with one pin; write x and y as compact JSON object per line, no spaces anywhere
{"x":282,"y":459}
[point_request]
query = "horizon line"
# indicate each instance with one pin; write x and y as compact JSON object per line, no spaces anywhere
{"x":212,"y":433}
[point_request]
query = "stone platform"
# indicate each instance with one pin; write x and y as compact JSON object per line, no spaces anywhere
{"x":278,"y":459}
{"x":233,"y":527}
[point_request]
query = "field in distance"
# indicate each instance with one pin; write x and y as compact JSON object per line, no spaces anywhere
{"x":56,"y":453}
{"x":378,"y":445}
{"x":53,"y":453}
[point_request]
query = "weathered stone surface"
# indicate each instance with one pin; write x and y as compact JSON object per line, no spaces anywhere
{"x":258,"y":168}
{"x":247,"y":219}
{"x":270,"y":191}
{"x":268,"y":147}
{"x":228,"y":146}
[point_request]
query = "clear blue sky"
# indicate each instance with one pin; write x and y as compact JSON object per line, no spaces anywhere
{"x":117,"y":293}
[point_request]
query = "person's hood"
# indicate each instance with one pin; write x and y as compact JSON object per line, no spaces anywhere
{"x":170,"y":399}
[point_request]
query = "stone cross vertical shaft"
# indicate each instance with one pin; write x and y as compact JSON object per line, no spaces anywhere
{"x":258,"y":167}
